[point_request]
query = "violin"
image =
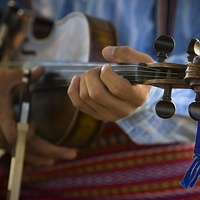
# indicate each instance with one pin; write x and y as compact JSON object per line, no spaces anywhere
{"x":56,"y":118}
{"x":27,"y":41}
{"x":159,"y":74}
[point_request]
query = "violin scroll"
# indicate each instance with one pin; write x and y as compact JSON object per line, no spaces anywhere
{"x":192,"y":78}
{"x":193,"y":49}
{"x":165,"y":108}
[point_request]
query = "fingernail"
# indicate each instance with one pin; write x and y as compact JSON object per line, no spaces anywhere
{"x":104,"y":67}
{"x":110,"y":51}
{"x":74,"y":78}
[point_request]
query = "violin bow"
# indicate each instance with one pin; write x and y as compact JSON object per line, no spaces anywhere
{"x":17,"y":160}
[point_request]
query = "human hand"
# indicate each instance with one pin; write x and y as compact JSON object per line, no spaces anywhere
{"x":38,"y":150}
{"x":103,"y":94}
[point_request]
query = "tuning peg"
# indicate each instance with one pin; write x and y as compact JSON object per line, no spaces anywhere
{"x":164,"y":45}
{"x":193,"y":49}
{"x":194,"y":109}
{"x":165,"y":108}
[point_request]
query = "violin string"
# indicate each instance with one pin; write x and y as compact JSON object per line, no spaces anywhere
{"x":137,"y":73}
{"x":87,"y":66}
{"x":147,"y":72}
{"x":172,"y":75}
{"x":123,"y":71}
{"x":62,"y":68}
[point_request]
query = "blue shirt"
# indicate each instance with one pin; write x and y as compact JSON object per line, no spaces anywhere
{"x":135,"y":23}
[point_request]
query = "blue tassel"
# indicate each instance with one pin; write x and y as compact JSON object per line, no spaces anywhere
{"x":192,"y":174}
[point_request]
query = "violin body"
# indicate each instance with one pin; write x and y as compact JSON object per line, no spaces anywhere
{"x":75,"y":38}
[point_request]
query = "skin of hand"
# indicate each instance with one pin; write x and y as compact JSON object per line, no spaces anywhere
{"x":38,"y":150}
{"x":103,"y":94}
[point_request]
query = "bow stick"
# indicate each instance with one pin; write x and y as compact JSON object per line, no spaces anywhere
{"x":17,"y":161}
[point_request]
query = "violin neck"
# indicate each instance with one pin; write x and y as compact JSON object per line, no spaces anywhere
{"x":137,"y":73}
{"x":157,"y":74}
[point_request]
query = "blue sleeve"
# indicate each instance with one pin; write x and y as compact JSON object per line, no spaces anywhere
{"x":145,"y":127}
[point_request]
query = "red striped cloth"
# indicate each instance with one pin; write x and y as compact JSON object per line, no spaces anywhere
{"x":113,"y":168}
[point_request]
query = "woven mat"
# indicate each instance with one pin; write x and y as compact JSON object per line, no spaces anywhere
{"x":112,"y":168}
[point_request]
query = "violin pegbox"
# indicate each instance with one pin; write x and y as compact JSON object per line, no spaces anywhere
{"x":164,"y":45}
{"x":192,"y":77}
{"x":193,"y":49}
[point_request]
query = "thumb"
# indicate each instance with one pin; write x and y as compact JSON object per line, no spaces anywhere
{"x":125,"y":54}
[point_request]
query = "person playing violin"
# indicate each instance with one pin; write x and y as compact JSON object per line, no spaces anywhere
{"x":104,"y":95}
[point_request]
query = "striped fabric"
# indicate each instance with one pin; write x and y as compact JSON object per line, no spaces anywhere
{"x":113,"y":168}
